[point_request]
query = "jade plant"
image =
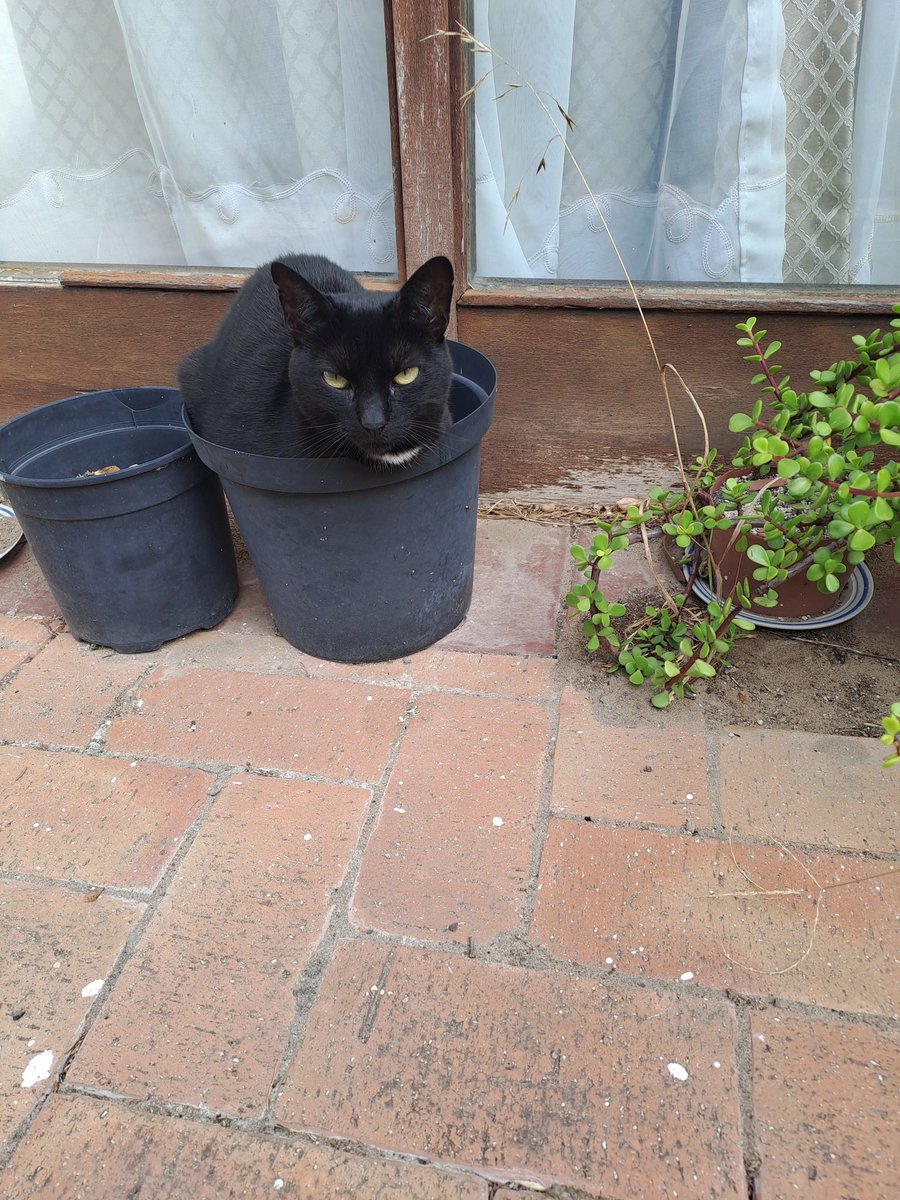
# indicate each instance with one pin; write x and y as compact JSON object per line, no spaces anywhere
{"x":891,"y":735}
{"x":811,"y":490}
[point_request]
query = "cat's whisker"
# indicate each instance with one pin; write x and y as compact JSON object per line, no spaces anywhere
{"x":325,"y":446}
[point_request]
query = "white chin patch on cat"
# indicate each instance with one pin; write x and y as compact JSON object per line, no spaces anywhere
{"x":398,"y":460}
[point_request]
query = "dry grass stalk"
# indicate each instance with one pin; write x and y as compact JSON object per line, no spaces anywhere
{"x":468,"y":38}
{"x":761,"y":893}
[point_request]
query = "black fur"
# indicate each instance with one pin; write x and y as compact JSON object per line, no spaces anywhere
{"x":259,"y":385}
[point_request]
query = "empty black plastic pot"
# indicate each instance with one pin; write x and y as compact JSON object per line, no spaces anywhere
{"x":135,"y":556}
{"x":364,"y":564}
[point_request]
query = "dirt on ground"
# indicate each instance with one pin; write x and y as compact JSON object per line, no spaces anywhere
{"x":840,"y":680}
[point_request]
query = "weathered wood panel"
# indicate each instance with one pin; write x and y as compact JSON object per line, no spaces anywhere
{"x":425,"y":76}
{"x":58,"y":341}
{"x":579,"y":398}
{"x":579,"y":405}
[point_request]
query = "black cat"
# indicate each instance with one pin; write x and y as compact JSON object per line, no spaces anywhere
{"x":307,"y":363}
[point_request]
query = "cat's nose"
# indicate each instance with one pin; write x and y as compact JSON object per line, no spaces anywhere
{"x":372,"y":414}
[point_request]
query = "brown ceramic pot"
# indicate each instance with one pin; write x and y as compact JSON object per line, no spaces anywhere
{"x":797,"y":596}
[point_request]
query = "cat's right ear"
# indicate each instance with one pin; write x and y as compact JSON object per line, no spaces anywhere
{"x":427,"y":295}
{"x":302,"y":304}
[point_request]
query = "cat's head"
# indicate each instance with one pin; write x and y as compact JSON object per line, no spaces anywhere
{"x":370,"y":374}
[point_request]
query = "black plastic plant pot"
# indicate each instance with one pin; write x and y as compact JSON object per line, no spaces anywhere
{"x":364,"y":564}
{"x":135,"y":556}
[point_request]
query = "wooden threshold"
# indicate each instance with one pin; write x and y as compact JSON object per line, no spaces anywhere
{"x":743,"y":298}
{"x":170,"y":279}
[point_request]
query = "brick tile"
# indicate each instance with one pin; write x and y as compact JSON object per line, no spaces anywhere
{"x":825,"y":1106}
{"x":523,"y":1074}
{"x":66,"y":692}
{"x":84,"y":1147}
{"x":651,"y":903}
{"x":608,"y":772}
{"x":201,"y":1012}
{"x":453,"y":839}
{"x":83,"y":817}
{"x":23,"y":588}
{"x":395,"y":670}
{"x":824,"y":790}
{"x":52,"y":945}
{"x":517,"y":590}
{"x":18,"y":641}
{"x":317,"y":727}
{"x":501,"y":674}
{"x":230,"y":648}
{"x":248,"y":640}
{"x":498,"y":674}
{"x":251,"y":612}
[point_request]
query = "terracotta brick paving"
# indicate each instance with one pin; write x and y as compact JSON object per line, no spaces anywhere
{"x":77,"y":1142}
{"x":529,"y":1074}
{"x":95,"y":819}
{"x":58,"y":949}
{"x":680,"y":908}
{"x":232,"y":934}
{"x":453,"y":841}
{"x":825,"y":1098}
{"x":458,"y":915}
{"x":19,"y":640}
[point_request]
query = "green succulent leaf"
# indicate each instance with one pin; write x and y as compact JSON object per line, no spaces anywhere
{"x":758,"y":554}
{"x":881,"y":509}
{"x":821,"y":399}
{"x":702,"y":669}
{"x":799,"y":486}
{"x":861,"y":539}
{"x":739,"y":422}
{"x":835,"y":466}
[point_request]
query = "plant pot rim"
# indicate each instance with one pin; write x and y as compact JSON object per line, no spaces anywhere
{"x":849,"y":603}
{"x":15,"y":475}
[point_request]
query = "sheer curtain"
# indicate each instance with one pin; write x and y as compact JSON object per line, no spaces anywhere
{"x":206,"y":132}
{"x":723,"y":140}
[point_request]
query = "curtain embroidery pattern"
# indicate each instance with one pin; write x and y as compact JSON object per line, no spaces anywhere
{"x":818,"y":76}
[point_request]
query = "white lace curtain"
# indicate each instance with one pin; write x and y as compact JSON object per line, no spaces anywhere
{"x":724,"y":140}
{"x":207,"y":132}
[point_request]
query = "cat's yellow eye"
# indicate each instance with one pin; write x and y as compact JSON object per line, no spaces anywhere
{"x":407,"y":375}
{"x":335,"y":381}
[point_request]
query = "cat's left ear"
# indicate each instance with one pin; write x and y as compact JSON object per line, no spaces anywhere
{"x":302,"y":304}
{"x":427,"y":295}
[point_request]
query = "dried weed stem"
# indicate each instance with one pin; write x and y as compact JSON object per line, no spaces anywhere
{"x":547,"y":104}
{"x":761,"y":893}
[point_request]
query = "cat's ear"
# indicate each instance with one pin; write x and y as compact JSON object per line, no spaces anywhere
{"x":426,"y":296}
{"x":302,"y":304}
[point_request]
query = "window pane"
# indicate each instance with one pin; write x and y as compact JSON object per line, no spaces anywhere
{"x":199,"y":132}
{"x":721,"y":140}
